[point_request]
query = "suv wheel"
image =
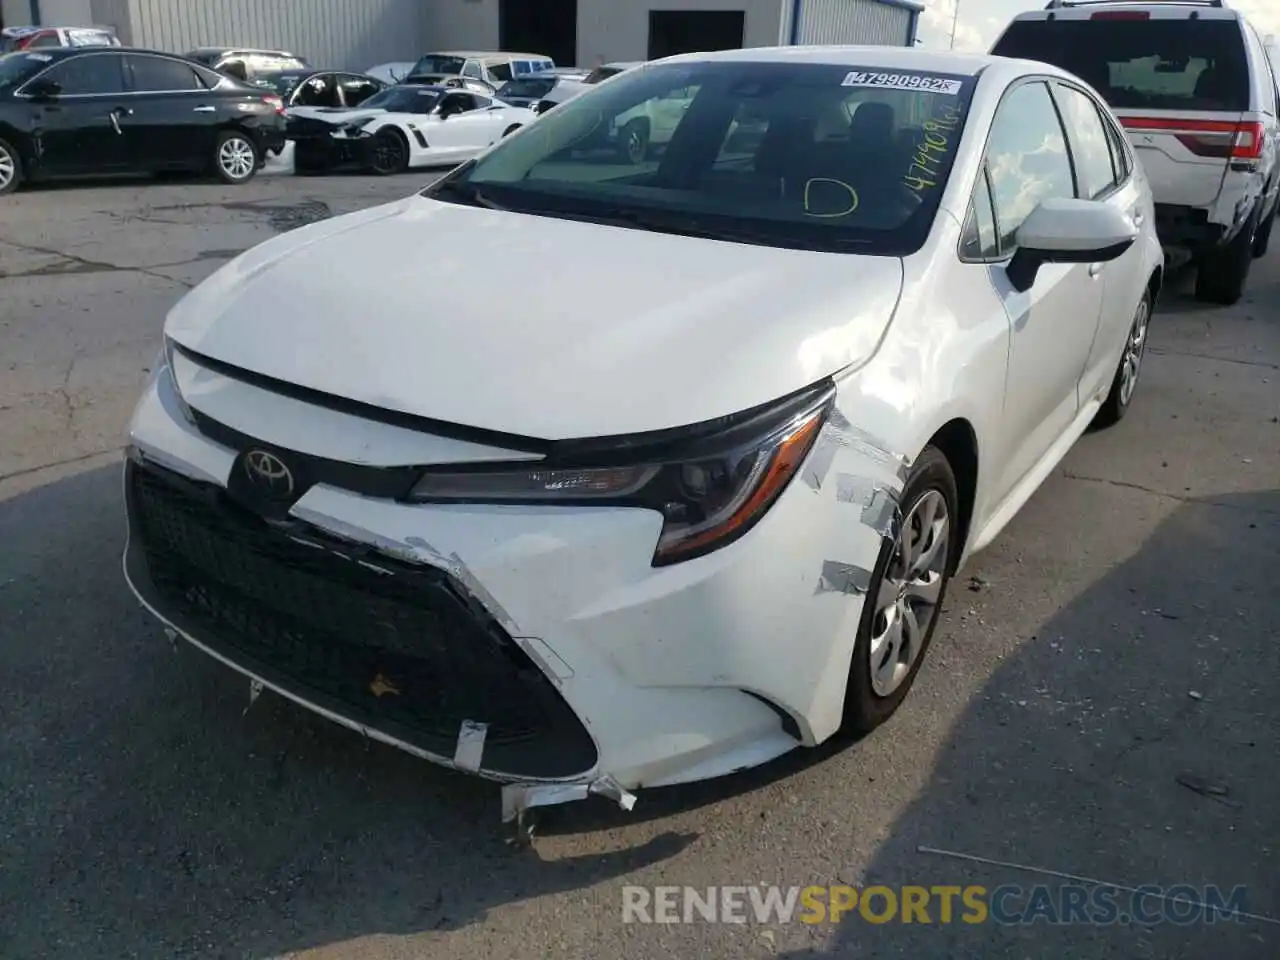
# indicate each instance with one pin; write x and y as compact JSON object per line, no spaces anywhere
{"x":1221,"y":273}
{"x":1263,"y":239}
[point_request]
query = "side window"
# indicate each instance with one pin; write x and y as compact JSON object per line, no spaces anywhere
{"x":96,"y":73}
{"x":1026,"y":158}
{"x":1119,"y":151}
{"x":472,"y":69}
{"x":457,"y":103}
{"x":1269,"y":91}
{"x":979,"y":241}
{"x":480,"y":103}
{"x":356,"y":90}
{"x":1094,"y":171}
{"x":236,"y":69}
{"x":159,"y":74}
{"x":44,"y":40}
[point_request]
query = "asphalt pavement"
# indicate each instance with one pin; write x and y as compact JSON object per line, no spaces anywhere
{"x":1100,"y":701}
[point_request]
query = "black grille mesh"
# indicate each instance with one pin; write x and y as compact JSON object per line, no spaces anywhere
{"x":323,"y":617}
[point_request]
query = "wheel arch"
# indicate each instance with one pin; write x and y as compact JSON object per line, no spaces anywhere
{"x":958,"y":442}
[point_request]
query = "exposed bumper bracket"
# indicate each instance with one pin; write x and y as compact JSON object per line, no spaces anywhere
{"x":519,"y":798}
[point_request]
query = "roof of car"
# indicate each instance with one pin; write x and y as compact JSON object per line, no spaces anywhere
{"x":1163,"y":10}
{"x":281,"y":53}
{"x":498,"y":55}
{"x":624,"y":64}
{"x":894,"y":58}
{"x":62,"y":53}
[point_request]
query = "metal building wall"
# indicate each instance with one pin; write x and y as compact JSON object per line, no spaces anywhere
{"x":855,"y":21}
{"x":349,"y":34}
{"x":619,"y":29}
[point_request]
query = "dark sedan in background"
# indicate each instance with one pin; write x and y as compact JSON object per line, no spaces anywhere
{"x":67,"y":112}
{"x":309,"y":87}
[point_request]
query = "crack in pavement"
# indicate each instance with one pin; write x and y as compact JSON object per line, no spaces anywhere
{"x":1180,"y":498}
{"x":1265,"y":365}
{"x":85,"y":265}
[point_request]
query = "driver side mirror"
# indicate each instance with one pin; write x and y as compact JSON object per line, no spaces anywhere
{"x":44,"y":89}
{"x":1068,"y":231}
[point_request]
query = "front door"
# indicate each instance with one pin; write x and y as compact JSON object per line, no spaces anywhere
{"x":1052,"y":325}
{"x":462,"y":126}
{"x":78,"y":130}
{"x":174,"y":121}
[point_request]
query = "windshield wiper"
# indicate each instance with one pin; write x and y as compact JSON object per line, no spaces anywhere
{"x":688,"y":226}
{"x":464,"y":192}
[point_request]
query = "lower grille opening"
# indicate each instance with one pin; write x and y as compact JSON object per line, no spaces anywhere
{"x":397,"y":647}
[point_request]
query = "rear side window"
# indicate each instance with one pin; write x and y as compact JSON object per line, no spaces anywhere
{"x":1143,"y":64}
{"x":1095,"y":166}
{"x":161,"y":75}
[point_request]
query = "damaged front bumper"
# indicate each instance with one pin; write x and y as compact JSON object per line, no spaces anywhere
{"x":588,"y":671}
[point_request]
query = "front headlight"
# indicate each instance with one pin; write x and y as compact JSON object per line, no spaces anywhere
{"x":710,"y":490}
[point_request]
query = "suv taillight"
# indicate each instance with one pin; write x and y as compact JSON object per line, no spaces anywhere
{"x":1228,"y":139}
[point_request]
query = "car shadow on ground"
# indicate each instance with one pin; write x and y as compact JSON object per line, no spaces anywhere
{"x":1154,"y":691}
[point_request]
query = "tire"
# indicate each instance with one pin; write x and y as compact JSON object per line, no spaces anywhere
{"x":633,"y":141}
{"x":511,"y":129}
{"x":10,"y":168}
{"x":869,"y":700}
{"x":1125,"y":381}
{"x":389,"y":152}
{"x":235,"y":157}
{"x":1221,"y":273}
{"x":1263,"y":240}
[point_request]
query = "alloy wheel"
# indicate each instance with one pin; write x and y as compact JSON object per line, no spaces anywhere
{"x":635,"y":145}
{"x":236,"y":157}
{"x":8,"y":168}
{"x":388,"y":154}
{"x":910,"y":592}
{"x":1134,"y":349}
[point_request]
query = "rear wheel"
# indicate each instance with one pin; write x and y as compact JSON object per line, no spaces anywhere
{"x":1263,"y":239}
{"x":10,"y":168}
{"x":235,"y":157}
{"x":389,"y":152}
{"x":633,"y":141}
{"x":905,"y":594}
{"x":1125,"y":382}
{"x":1221,"y":273}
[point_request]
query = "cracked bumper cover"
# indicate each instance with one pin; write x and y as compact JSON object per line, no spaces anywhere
{"x":675,"y":674}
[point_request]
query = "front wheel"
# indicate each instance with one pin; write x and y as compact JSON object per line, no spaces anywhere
{"x":235,"y":157}
{"x":905,"y":593}
{"x":10,"y":168}
{"x":389,"y":153}
{"x":1125,"y":382}
{"x":633,"y":141}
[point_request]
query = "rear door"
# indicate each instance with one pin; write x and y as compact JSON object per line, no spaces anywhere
{"x":1176,"y":76}
{"x":174,"y":117}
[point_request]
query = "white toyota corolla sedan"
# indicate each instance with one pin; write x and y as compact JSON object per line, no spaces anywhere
{"x":689,"y":498}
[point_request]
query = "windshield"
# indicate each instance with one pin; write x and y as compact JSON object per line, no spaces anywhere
{"x":15,"y":68}
{"x":281,"y":83}
{"x":527,"y":88}
{"x":402,"y":100}
{"x":787,"y":154}
{"x":601,"y":73}
{"x":1142,"y":64}
{"x":435,"y":63}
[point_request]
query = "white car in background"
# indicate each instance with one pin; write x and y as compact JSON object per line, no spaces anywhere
{"x":391,"y":73}
{"x":1196,"y":90}
{"x":691,"y":500}
{"x":402,"y":127}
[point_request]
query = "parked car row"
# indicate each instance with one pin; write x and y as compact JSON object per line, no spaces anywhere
{"x":1191,"y":82}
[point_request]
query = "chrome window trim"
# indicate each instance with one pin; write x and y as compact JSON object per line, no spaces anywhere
{"x":123,"y":93}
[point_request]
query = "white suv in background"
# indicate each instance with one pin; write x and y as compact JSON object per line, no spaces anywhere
{"x":1197,"y":94}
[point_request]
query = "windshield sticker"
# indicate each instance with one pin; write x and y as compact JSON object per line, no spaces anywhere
{"x":841,"y":201}
{"x":932,"y":150}
{"x":902,"y":81}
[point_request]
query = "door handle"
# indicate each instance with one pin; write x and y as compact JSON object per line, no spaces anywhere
{"x":114,"y":117}
{"x":205,"y":109}
{"x":1095,"y":269}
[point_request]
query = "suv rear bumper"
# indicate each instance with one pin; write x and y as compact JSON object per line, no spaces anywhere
{"x":1189,"y":228}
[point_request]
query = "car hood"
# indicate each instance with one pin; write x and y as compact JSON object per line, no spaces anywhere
{"x":337,"y":115}
{"x":562,"y":329}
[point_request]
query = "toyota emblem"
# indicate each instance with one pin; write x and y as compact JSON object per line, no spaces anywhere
{"x":269,"y":473}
